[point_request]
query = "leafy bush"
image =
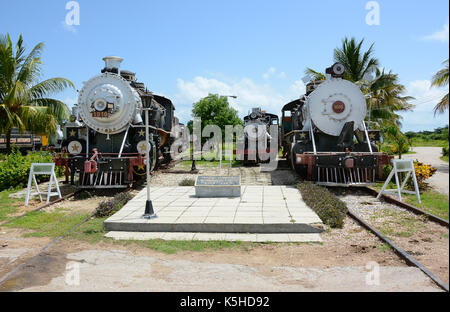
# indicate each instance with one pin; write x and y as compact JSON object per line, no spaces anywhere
{"x":445,"y":151}
{"x":108,"y":207}
{"x":15,"y":168}
{"x":423,"y":172}
{"x":330,"y":209}
{"x":187,"y":182}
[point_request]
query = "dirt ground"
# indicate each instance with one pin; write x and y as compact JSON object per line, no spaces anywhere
{"x":343,"y":255}
{"x":341,"y":263}
{"x":426,"y":241}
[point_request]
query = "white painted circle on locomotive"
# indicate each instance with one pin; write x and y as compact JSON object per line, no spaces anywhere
{"x":142,"y":147}
{"x":335,"y":102}
{"x":74,"y":148}
{"x":107,"y":103}
{"x":255,"y":129}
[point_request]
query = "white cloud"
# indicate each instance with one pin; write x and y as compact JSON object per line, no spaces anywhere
{"x":249,"y":95}
{"x":269,"y":73}
{"x":440,"y":35}
{"x":426,"y":98}
{"x":68,"y":27}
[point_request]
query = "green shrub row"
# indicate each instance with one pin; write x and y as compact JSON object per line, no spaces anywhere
{"x":108,"y":207}
{"x":15,"y":168}
{"x":445,"y":151}
{"x":330,"y":209}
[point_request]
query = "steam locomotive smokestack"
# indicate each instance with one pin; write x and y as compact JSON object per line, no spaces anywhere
{"x":112,"y":63}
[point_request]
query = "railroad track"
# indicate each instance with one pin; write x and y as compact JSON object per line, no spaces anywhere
{"x":410,"y":260}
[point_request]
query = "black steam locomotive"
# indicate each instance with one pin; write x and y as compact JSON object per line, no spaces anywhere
{"x":104,"y":143}
{"x":258,"y":141}
{"x":324,"y":135}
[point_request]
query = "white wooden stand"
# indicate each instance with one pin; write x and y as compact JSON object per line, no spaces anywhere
{"x":400,"y":165}
{"x":42,"y":169}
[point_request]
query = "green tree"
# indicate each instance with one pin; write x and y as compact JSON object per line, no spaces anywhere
{"x":440,"y":79}
{"x":385,"y":99}
{"x":25,"y":101}
{"x":398,"y":143}
{"x":215,"y":110}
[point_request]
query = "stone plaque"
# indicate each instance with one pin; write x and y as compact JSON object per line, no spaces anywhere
{"x":218,"y":186}
{"x":218,"y":181}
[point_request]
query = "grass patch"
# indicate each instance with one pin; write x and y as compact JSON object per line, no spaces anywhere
{"x":8,"y":205}
{"x":171,"y":247}
{"x":444,"y":158}
{"x":330,"y":209}
{"x":47,"y":224}
{"x":93,"y":232}
{"x":432,"y":202}
{"x":187,"y":182}
{"x":398,"y":224}
{"x":433,"y":143}
{"x":384,"y":247}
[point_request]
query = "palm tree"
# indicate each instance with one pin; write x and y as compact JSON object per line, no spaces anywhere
{"x":25,"y":102}
{"x":440,"y":79}
{"x":386,"y":99}
{"x":357,"y":63}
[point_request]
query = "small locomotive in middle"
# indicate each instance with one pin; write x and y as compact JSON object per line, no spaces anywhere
{"x":258,"y":140}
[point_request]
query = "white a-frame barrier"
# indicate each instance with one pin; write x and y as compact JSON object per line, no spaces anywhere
{"x":400,"y":165}
{"x":42,"y":169}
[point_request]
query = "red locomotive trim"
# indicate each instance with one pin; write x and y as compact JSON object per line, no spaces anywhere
{"x":309,"y":159}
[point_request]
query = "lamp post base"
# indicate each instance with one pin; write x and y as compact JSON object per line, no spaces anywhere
{"x":149,"y":213}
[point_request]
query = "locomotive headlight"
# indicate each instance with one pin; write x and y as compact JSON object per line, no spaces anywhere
{"x":100,"y":105}
{"x":338,"y":69}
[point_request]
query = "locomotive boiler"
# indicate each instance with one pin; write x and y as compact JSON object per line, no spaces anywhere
{"x":105,"y":139}
{"x":324,"y":135}
{"x":258,"y":141}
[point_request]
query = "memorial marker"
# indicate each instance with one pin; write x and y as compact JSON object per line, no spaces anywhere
{"x":218,"y":186}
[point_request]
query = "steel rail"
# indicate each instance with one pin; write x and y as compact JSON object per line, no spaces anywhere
{"x":42,"y":207}
{"x":409,"y":207}
{"x":410,"y":260}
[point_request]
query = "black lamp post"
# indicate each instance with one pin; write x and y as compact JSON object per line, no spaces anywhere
{"x":147,"y":99}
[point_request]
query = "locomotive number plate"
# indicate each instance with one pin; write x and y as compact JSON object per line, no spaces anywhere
{"x":100,"y":114}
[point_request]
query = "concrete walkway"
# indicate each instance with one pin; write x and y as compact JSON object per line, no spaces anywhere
{"x":431,"y":155}
{"x":119,"y":270}
{"x":259,"y":210}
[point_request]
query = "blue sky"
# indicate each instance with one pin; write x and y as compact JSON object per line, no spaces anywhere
{"x":257,"y":50}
